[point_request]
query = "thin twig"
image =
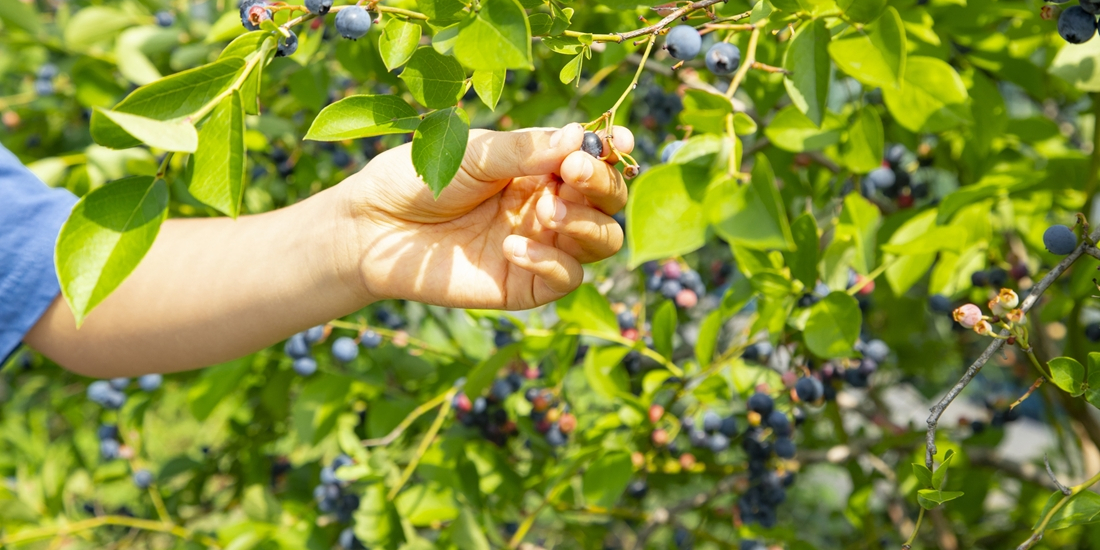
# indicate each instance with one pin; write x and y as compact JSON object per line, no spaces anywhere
{"x":652,"y":29}
{"x":994,"y":347}
{"x":1065,"y":490}
{"x":424,"y":444}
{"x":32,"y":535}
{"x":412,"y":416}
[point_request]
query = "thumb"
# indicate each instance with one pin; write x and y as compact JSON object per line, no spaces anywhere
{"x":495,"y":156}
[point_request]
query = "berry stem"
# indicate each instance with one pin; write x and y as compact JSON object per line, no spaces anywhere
{"x":1037,"y":535}
{"x":409,"y":419}
{"x":1034,"y":386}
{"x":916,"y":528}
{"x":750,"y":58}
{"x":1030,"y":352}
{"x":32,"y":535}
{"x":424,"y":443}
{"x":630,"y":88}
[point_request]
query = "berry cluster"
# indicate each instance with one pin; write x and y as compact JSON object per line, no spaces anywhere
{"x":894,"y":180}
{"x":345,"y":349}
{"x":1005,"y":311}
{"x":331,"y":495}
{"x":1077,"y":24}
{"x":714,"y":434}
{"x":109,"y":446}
{"x":675,"y":282}
{"x":684,"y":43}
{"x":109,"y":393}
{"x":352,"y":21}
{"x":767,"y":443}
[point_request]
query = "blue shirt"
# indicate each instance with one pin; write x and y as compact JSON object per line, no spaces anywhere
{"x":31,"y":214}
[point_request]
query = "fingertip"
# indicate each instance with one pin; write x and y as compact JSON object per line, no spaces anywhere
{"x":623,"y":137}
{"x":515,"y":247}
{"x":578,"y":167}
{"x":550,"y":210}
{"x":568,"y":137}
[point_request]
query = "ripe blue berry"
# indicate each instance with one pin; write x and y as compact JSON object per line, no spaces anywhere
{"x":671,"y":149}
{"x":882,"y":178}
{"x":637,"y":489}
{"x":625,"y":319}
{"x":120,"y":383}
{"x":353,"y":22}
{"x":109,"y":449}
{"x":370,"y":339}
{"x":47,"y":72}
{"x":287,"y":45}
{"x":940,"y":303}
{"x":143,"y":479}
{"x":683,"y":42}
{"x":165,"y":18}
{"x":107,"y":431}
{"x":1092,"y":332}
{"x":328,"y":476}
{"x":348,"y":540}
{"x":784,"y":448}
{"x":711,"y":422}
{"x":1076,"y":25}
{"x":723,"y":58}
{"x":809,"y":389}
{"x":592,"y":144}
{"x":340,"y":461}
{"x":670,"y":288}
{"x":1060,"y":239}
{"x":305,"y":366}
{"x":728,"y":427}
{"x":318,"y":7}
{"x":779,"y":423}
{"x":718,"y":442}
{"x":761,"y":403}
{"x":315,"y":334}
{"x":252,"y":12}
{"x":344,"y":349}
{"x":99,"y":390}
{"x":554,"y":436}
{"x":876,"y":350}
{"x":296,"y":346}
{"x":150,"y":382}
{"x":1091,"y":6}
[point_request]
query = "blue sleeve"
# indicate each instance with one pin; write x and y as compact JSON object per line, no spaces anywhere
{"x":31,"y":215}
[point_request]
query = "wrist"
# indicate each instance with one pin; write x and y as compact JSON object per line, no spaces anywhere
{"x":335,"y":243}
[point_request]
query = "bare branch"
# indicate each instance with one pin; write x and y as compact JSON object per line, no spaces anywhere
{"x":1065,"y":490}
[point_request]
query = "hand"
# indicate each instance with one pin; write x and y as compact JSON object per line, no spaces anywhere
{"x":511,"y":231}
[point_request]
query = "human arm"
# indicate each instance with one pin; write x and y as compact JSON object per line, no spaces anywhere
{"x":210,"y":290}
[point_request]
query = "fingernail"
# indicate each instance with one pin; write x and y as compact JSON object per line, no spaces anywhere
{"x":559,"y":210}
{"x":571,"y":131}
{"x":519,"y":247}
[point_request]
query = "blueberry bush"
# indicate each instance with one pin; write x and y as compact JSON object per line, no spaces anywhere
{"x":856,"y":307}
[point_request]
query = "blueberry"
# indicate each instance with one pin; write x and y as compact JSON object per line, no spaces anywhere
{"x":43,"y":87}
{"x":856,"y":378}
{"x":109,"y":448}
{"x":895,"y":154}
{"x":698,"y":438}
{"x":480,"y":404}
{"x":807,"y":300}
{"x":784,"y":447}
{"x":353,"y":22}
{"x":318,"y":7}
{"x":328,"y":476}
{"x":47,"y":71}
{"x":502,"y":338}
{"x":120,"y":383}
{"x":500,"y":389}
{"x":779,"y":423}
{"x":143,"y":479}
{"x":347,"y":538}
{"x":1076,"y":26}
{"x":150,"y":382}
{"x":1060,"y":239}
{"x":998,"y":277}
{"x":305,"y":366}
{"x":691,"y":279}
{"x":287,"y":45}
{"x":253,"y":9}
{"x":99,"y":390}
{"x":683,"y":42}
{"x":809,"y":389}
{"x":107,"y":431}
{"x":340,"y":461}
{"x":165,"y":18}
{"x":979,"y":278}
{"x":940,"y":303}
{"x":718,"y":442}
{"x":670,"y":288}
{"x":1090,"y":6}
{"x":344,"y":349}
{"x":723,"y":58}
{"x":877,"y":350}
{"x":670,"y":149}
{"x":761,"y":403}
{"x":114,"y":400}
{"x":1092,"y":332}
{"x":749,"y":544}
{"x":728,"y":427}
{"x":711,"y":422}
{"x":370,"y":339}
{"x":341,"y":158}
{"x":592,"y":144}
{"x":296,"y":346}
{"x":637,"y":489}
{"x":625,"y":319}
{"x":653,"y":282}
{"x":314,"y":334}
{"x":882,"y":178}
{"x":554,"y":436}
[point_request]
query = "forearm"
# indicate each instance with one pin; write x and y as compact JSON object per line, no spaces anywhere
{"x":214,"y":289}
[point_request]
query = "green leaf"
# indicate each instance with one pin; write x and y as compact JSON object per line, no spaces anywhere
{"x":259,"y":504}
{"x":606,"y":478}
{"x":170,"y":98}
{"x":16,"y":13}
{"x":173,"y":135}
{"x":743,"y":124}
{"x":707,"y":340}
{"x":319,"y":405}
{"x":859,"y":221}
{"x":245,"y":45}
{"x":664,"y":328}
{"x":376,"y":521}
{"x":439,"y":145}
{"x":940,"y":474}
{"x":436,"y":81}
{"x":441,"y":10}
{"x":1068,"y":374}
{"x":904,"y":271}
{"x":489,"y":86}
{"x":497,"y":37}
{"x":105,"y":237}
{"x":94,"y":24}
{"x":1082,"y":509}
{"x":665,"y":210}
{"x":480,"y":377}
{"x":930,"y":498}
{"x":792,"y":131}
{"x":833,"y":326}
{"x":132,"y":46}
{"x":467,"y":534}
{"x":1076,"y":64}
{"x":398,"y":41}
{"x":924,"y":475}
{"x":875,"y":55}
{"x":603,"y":373}
{"x":218,"y":176}
{"x":705,"y":111}
{"x":360,"y":116}
{"x":931,"y":97}
{"x":861,"y":11}
{"x":572,"y":69}
{"x":588,"y":309}
{"x":807,"y":59}
{"x":803,"y":259}
{"x":752,"y":216}
{"x":214,"y":384}
{"x":1092,"y":394}
{"x":864,"y":146}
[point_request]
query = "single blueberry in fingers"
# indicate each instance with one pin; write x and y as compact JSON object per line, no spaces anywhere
{"x":592,"y":144}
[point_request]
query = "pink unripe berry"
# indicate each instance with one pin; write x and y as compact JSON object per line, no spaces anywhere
{"x":672,"y":270}
{"x":967,"y":315}
{"x":687,"y":298}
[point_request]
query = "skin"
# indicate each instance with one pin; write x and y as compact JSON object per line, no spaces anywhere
{"x":511,"y":231}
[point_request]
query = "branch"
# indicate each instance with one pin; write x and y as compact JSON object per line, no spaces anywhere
{"x":1065,"y":490}
{"x":972,"y":371}
{"x":424,"y":443}
{"x":44,"y":533}
{"x":619,"y":37}
{"x":1037,"y":535}
{"x":404,"y":425}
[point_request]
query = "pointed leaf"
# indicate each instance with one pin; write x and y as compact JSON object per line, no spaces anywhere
{"x":434,"y":79}
{"x":606,"y":478}
{"x":1068,"y":374}
{"x":217,"y":179}
{"x":497,"y":37}
{"x":833,"y":326}
{"x":940,"y":474}
{"x":875,"y":55}
{"x":808,"y":60}
{"x":439,"y":145}
{"x":664,"y":328}
{"x":665,"y":209}
{"x":398,"y":41}
{"x":1092,"y":395}
{"x":587,"y":308}
{"x":931,"y":97}
{"x":803,"y":260}
{"x":864,"y":146}
{"x":173,"y":135}
{"x":360,"y":116}
{"x":924,"y":475}
{"x":489,"y":86}
{"x":105,"y":237}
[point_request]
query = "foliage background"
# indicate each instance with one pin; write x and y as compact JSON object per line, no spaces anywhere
{"x":997,"y":114}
